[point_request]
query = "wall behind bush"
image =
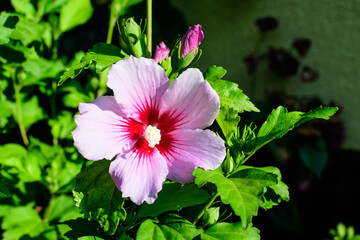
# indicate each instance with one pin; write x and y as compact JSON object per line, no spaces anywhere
{"x":332,"y":26}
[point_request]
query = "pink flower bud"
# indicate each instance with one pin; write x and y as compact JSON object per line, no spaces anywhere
{"x":190,"y":41}
{"x":161,"y":52}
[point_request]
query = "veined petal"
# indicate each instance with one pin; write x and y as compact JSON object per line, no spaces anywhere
{"x":139,"y":174}
{"x":186,"y":149}
{"x":101,"y":132}
{"x":190,"y":102}
{"x":138,"y":85}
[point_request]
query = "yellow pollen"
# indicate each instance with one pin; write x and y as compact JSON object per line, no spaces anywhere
{"x":152,"y":135}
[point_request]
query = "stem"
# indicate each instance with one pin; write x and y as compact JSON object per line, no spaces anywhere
{"x":112,"y":22}
{"x":18,"y":109}
{"x":149,"y":28}
{"x":208,"y":204}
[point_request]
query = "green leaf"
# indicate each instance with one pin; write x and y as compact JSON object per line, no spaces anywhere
{"x":24,"y":221}
{"x":233,"y":97}
{"x":83,"y":227}
{"x":232,"y":101}
{"x":27,"y":165}
{"x":102,"y":201}
{"x":61,"y":209}
{"x":7,"y":26}
{"x":28,"y":31}
{"x":243,"y":190}
{"x":231,"y":231}
{"x":75,"y":13}
{"x":31,"y":112}
{"x":102,"y":55}
{"x":50,"y":6}
{"x":149,"y":231}
{"x":314,"y":155}
{"x":42,"y":68}
{"x":172,"y":227}
{"x":280,"y":121}
{"x":228,"y":120}
{"x":173,"y":197}
{"x":25,"y":7}
{"x":62,"y":125}
{"x":214,"y":73}
{"x":4,"y":191}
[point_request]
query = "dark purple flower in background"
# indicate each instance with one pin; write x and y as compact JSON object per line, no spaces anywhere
{"x":302,"y":46}
{"x":282,"y":62}
{"x":308,"y":74}
{"x":266,"y":24}
{"x":162,"y":52}
{"x":191,"y":40}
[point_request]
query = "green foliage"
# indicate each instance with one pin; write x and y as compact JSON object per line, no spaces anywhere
{"x":229,"y":231}
{"x":173,"y":227}
{"x":344,"y":233}
{"x":75,"y":13}
{"x":40,"y":167}
{"x":25,"y":222}
{"x":102,"y":55}
{"x":232,"y":100}
{"x":172,"y":197}
{"x":245,"y":189}
{"x":98,"y":198}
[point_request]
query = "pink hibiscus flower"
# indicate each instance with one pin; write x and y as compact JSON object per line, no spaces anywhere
{"x":154,"y":130}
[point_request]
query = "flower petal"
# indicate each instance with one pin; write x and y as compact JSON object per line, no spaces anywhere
{"x":138,"y":85}
{"x":187,"y":149}
{"x":139,"y":175}
{"x":190,"y":102}
{"x":101,"y":132}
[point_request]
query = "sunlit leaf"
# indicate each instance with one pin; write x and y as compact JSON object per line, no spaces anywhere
{"x":244,"y":190}
{"x":101,"y":200}
{"x":173,"y":227}
{"x":172,"y":197}
{"x":231,"y":231}
{"x":24,"y":221}
{"x":7,"y":26}
{"x":75,"y":13}
{"x":102,"y":55}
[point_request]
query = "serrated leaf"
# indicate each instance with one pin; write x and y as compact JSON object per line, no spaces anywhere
{"x":172,"y":227}
{"x":102,"y":201}
{"x":102,"y":55}
{"x":231,"y":231}
{"x":232,"y":96}
{"x":214,"y":73}
{"x":243,"y":190}
{"x":75,"y":13}
{"x":173,"y":197}
{"x":280,"y":121}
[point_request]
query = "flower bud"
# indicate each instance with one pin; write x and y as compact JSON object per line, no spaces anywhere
{"x":191,"y":40}
{"x":186,"y":51}
{"x":162,"y":52}
{"x":132,"y":39}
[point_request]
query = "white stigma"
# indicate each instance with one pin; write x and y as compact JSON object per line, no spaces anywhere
{"x":152,"y":135}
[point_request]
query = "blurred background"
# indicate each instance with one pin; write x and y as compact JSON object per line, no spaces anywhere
{"x":299,"y":54}
{"x":295,"y":53}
